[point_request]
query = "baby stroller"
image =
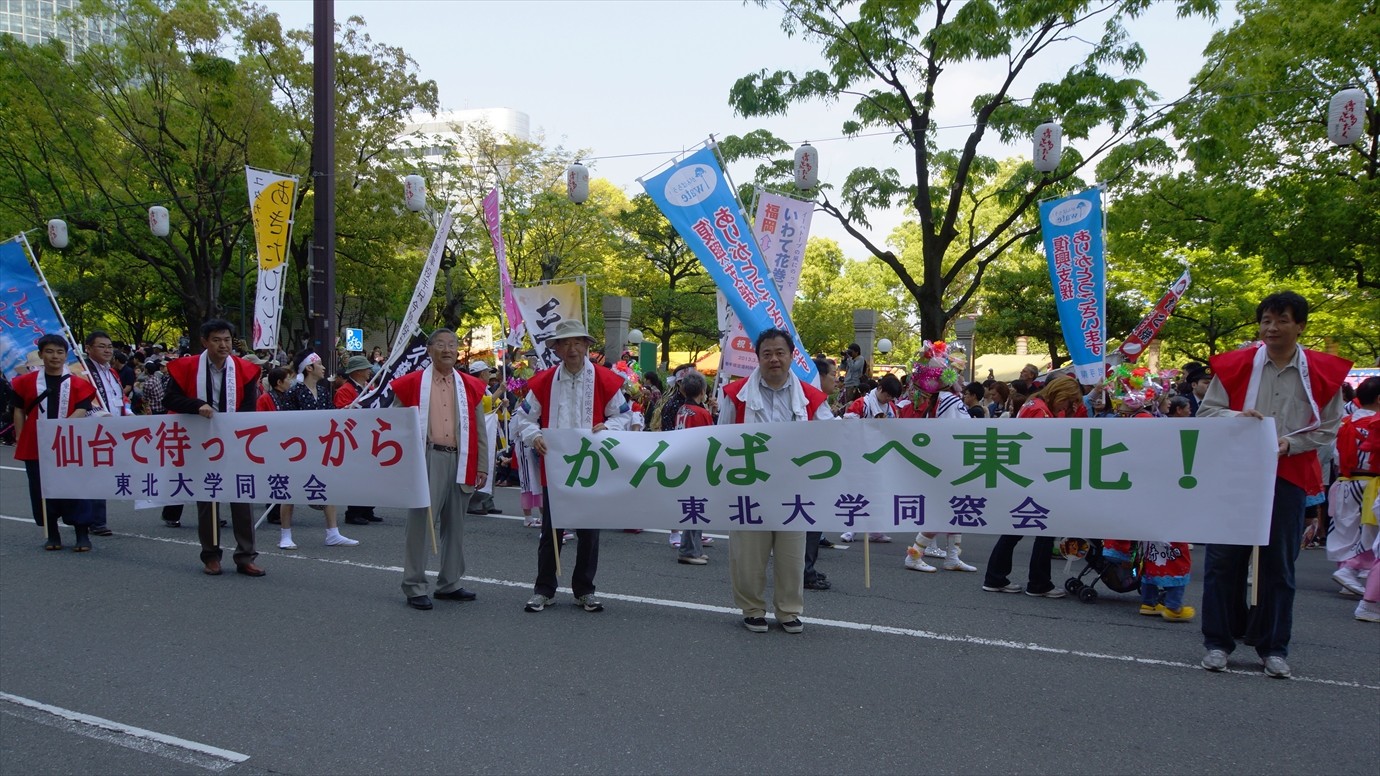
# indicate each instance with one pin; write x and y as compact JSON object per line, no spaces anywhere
{"x":1114,"y":575}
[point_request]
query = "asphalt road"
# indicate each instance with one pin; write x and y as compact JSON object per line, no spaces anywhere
{"x":321,"y":668}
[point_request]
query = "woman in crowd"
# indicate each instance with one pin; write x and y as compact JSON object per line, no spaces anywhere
{"x":310,"y":393}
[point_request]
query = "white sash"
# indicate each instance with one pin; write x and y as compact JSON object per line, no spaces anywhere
{"x":64,"y":394}
{"x":232,"y":386}
{"x":1253,"y":387}
{"x":873,"y":408}
{"x":104,"y":375}
{"x":755,"y":406}
{"x":584,"y":394}
{"x":462,"y":415}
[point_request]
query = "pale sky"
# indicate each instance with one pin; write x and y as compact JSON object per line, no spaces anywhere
{"x":635,"y":77}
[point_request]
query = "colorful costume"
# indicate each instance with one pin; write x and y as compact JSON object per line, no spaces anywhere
{"x":934,"y":393}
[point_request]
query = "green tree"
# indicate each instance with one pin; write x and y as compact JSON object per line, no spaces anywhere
{"x":673,"y":297}
{"x":833,"y":286}
{"x":1264,"y":180}
{"x":888,"y":57}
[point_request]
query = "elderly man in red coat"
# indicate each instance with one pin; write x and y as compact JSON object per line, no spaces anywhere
{"x":217,"y":381}
{"x":576,"y":394}
{"x":772,"y":393}
{"x":450,"y":407}
{"x":1301,"y":390}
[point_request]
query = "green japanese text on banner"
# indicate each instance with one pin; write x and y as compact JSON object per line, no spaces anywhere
{"x":1074,"y":248}
{"x":697,"y":199}
{"x":1096,"y":479}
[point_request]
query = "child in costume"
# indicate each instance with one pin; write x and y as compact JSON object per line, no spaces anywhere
{"x":935,"y":380}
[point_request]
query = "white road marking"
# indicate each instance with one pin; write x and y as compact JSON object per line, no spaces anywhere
{"x":845,"y":624}
{"x":174,"y":748}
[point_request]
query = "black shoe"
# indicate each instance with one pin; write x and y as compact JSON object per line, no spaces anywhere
{"x":275,"y":518}
{"x":101,"y":530}
{"x":173,"y":523}
{"x":755,"y":624}
{"x":476,"y":511}
{"x":495,"y":511}
{"x":357,"y":521}
{"x":458,"y":594}
{"x":824,"y":542}
{"x":794,"y":626}
{"x":817,"y":584}
{"x":419,"y":602}
{"x":372,"y":518}
{"x":83,"y":544}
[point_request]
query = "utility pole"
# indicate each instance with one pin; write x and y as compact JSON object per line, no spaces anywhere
{"x":323,"y":323}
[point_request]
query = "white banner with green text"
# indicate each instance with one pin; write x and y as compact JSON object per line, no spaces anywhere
{"x":1207,"y":481}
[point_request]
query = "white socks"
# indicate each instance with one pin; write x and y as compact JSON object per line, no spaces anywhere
{"x":285,"y":539}
{"x":334,"y":539}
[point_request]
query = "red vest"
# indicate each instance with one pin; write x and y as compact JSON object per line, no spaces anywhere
{"x":607,"y":384}
{"x":26,"y":385}
{"x":183,"y":370}
{"x":857,"y":407}
{"x":813,"y":398}
{"x":1326,"y":373}
{"x":408,"y":390}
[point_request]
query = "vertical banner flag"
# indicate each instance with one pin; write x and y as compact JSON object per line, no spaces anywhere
{"x":26,"y":311}
{"x":421,"y":297}
{"x":1140,"y":337}
{"x":782,"y":227}
{"x":414,"y":357}
{"x":510,"y":306}
{"x":271,"y":197}
{"x":697,"y":199}
{"x":542,"y":307}
{"x":1074,"y":249}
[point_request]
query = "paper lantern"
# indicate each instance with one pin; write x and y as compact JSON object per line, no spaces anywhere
{"x":158,"y":221}
{"x":414,"y":193}
{"x":577,"y":183}
{"x":806,"y":167}
{"x":57,"y":233}
{"x":1346,"y":116}
{"x":1049,"y":146}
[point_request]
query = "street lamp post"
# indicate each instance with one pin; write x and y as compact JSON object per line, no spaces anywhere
{"x":323,"y":169}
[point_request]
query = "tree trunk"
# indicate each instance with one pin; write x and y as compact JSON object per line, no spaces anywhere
{"x":1055,"y":360}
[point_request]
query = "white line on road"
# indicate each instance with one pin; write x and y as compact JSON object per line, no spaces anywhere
{"x":179,"y":749}
{"x":845,"y":624}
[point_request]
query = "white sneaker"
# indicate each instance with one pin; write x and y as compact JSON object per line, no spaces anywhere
{"x":1056,"y":592}
{"x":675,"y":538}
{"x":953,"y":563}
{"x":934,"y":552}
{"x":1349,"y":579}
{"x":339,"y":540}
{"x":1368,"y":611}
{"x":915,"y":561}
{"x":846,"y":537}
{"x":705,"y":541}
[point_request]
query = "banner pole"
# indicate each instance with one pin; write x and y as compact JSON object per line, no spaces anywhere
{"x":215,"y":524}
{"x":556,"y":541}
{"x":867,"y":560}
{"x":1255,"y":576}
{"x":263,"y":517}
{"x":431,"y":524}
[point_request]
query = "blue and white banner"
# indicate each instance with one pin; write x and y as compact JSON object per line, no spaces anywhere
{"x":1075,"y":249}
{"x":697,"y":199}
{"x":26,"y":312}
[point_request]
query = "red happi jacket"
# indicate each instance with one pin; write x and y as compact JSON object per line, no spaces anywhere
{"x":183,"y":370}
{"x":813,"y":398}
{"x":26,"y":385}
{"x":607,"y":384}
{"x":1326,"y":373}
{"x":408,"y":391}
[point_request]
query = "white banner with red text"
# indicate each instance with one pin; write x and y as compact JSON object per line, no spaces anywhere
{"x":362,"y":456}
{"x":1208,"y":481}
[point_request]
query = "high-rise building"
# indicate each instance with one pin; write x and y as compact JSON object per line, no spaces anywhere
{"x":36,"y":21}
{"x":502,"y":121}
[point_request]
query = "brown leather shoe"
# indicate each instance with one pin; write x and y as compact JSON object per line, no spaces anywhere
{"x":212,"y":568}
{"x":249,"y":570}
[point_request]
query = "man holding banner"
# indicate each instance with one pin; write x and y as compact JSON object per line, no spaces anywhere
{"x":217,"y":381}
{"x":576,"y":394}
{"x":450,"y":408}
{"x":771,"y":394}
{"x":1301,"y":390}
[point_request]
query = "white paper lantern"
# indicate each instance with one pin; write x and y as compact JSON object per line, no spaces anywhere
{"x":1346,"y":116}
{"x":414,"y":193}
{"x":158,"y":221}
{"x":577,"y":183}
{"x":806,"y":167}
{"x":57,"y":233}
{"x":1049,"y":146}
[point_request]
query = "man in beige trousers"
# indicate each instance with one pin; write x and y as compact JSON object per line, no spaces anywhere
{"x":772,"y":393}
